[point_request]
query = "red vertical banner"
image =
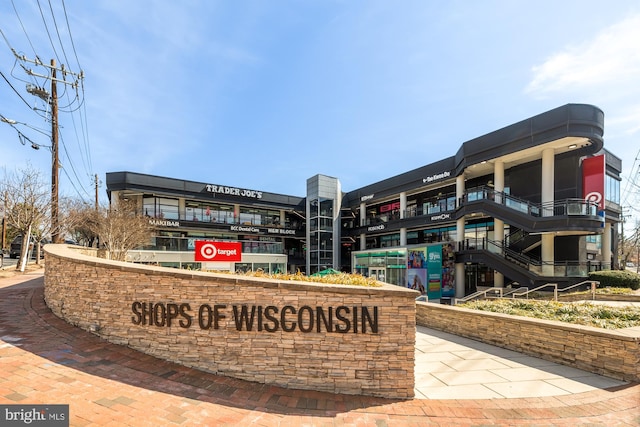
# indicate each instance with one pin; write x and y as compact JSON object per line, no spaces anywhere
{"x":593,"y":173}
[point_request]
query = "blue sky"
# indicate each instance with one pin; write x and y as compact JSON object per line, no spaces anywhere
{"x":265,"y":94}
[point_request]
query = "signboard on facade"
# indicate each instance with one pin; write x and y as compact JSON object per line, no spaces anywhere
{"x":206,"y":250}
{"x":593,"y":175}
{"x":233,"y":191}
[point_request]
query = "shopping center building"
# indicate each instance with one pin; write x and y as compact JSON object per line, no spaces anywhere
{"x":535,"y":202}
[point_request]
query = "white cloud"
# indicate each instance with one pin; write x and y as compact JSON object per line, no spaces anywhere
{"x":612,"y":56}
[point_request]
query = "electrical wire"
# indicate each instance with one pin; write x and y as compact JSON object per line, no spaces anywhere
{"x":64,"y":147}
{"x":55,"y":25}
{"x":75,"y":102}
{"x":46,"y":28}
{"x":14,"y":89}
{"x":22,"y":25}
{"x":66,"y":16}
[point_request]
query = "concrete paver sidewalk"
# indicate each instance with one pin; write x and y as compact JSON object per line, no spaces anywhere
{"x":45,"y":360}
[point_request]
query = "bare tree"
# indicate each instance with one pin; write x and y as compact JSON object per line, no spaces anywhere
{"x":121,"y":228}
{"x":79,"y":220}
{"x":26,"y":198}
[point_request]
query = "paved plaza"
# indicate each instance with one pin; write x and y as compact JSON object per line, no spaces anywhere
{"x":44,"y":360}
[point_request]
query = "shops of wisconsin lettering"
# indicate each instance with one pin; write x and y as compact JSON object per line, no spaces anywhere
{"x":270,"y":318}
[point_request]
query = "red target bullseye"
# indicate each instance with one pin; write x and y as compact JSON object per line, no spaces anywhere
{"x":208,"y":251}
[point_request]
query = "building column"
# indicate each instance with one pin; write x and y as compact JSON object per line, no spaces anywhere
{"x":236,"y":214}
{"x":363,"y":219}
{"x":403,"y":205}
{"x":547,"y":198}
{"x":547,"y":191}
{"x":182,"y":209}
{"x":403,"y":236}
{"x":459,"y":189}
{"x":498,"y":224}
{"x":606,"y":246}
{"x":459,"y":267}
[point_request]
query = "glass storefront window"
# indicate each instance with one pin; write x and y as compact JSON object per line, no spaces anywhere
{"x":160,"y":207}
{"x":612,"y":189}
{"x":254,"y":216}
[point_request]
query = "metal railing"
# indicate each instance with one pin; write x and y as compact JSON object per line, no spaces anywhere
{"x":564,"y":207}
{"x":524,"y":291}
{"x":594,"y":285}
{"x":567,"y":268}
{"x":498,"y":293}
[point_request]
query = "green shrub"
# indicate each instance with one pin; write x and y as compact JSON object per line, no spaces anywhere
{"x":601,"y":316}
{"x":616,"y":279}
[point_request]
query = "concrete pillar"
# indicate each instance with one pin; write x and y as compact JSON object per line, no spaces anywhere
{"x":363,"y":219}
{"x":403,"y":236}
{"x":548,"y":254}
{"x":459,"y":266}
{"x":459,"y":189}
{"x":547,"y":192}
{"x":498,"y":224}
{"x":403,"y":205}
{"x":606,"y":245}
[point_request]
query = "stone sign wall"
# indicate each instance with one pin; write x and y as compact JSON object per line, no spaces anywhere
{"x":333,"y":338}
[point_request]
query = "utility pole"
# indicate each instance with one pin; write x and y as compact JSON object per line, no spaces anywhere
{"x":55,"y":224}
{"x":96,"y":191}
{"x":52,"y":100}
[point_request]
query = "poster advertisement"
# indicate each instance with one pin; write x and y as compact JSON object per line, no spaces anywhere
{"x":417,"y":270}
{"x":431,"y":270}
{"x":434,"y":272}
{"x":448,"y":271}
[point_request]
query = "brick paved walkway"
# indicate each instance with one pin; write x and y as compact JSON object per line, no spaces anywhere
{"x":44,"y":360}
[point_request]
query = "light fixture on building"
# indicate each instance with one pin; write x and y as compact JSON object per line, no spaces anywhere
{"x":572,"y":146}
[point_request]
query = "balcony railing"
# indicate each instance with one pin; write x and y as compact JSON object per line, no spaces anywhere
{"x":564,"y":207}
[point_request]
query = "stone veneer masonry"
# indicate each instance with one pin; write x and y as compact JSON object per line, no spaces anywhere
{"x":613,"y":353}
{"x":107,"y":297}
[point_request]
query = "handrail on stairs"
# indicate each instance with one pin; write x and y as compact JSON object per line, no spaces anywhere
{"x":497,"y":291}
{"x":594,"y":285}
{"x":524,"y":291}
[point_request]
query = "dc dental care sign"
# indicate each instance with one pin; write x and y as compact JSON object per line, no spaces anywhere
{"x":218,"y":251}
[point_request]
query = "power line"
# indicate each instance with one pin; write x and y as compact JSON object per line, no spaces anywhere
{"x":55,"y":25}
{"x":66,"y":16}
{"x":74,"y":104}
{"x":23,"y":29}
{"x":46,"y":27}
{"x":14,"y":89}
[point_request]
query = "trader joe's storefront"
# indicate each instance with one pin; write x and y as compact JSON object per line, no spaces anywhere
{"x":428,"y":269}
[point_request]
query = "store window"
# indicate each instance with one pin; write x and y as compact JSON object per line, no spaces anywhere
{"x":161,"y":207}
{"x":255,"y":216}
{"x":612,"y":189}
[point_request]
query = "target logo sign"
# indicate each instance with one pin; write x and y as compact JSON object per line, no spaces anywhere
{"x":218,"y":251}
